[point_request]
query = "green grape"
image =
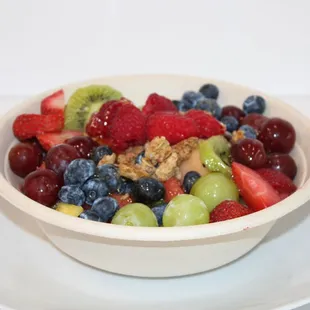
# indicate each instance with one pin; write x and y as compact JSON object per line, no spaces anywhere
{"x":214,"y":188}
{"x":135,"y":214}
{"x":185,"y":210}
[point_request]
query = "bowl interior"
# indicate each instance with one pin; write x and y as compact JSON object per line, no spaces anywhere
{"x":137,"y":88}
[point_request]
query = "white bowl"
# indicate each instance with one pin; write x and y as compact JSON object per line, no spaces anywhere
{"x":158,"y":252}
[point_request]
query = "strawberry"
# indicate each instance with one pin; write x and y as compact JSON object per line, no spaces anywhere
{"x":122,"y":200}
{"x":48,"y":140}
{"x":155,"y":103}
{"x":172,"y":188}
{"x":208,"y":126}
{"x":257,"y":193}
{"x":171,"y":125}
{"x":54,"y":104}
{"x":227,"y":210}
{"x":127,"y":127}
{"x":278,"y":180}
{"x":28,"y":126}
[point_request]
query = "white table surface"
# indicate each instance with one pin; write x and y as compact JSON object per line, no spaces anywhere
{"x":6,"y":102}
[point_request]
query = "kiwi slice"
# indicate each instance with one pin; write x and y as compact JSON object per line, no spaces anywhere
{"x":215,"y":154}
{"x":84,"y":102}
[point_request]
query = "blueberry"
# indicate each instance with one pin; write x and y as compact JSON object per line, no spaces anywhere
{"x":190,"y":99}
{"x":100,"y":152}
{"x":78,"y":171}
{"x":209,"y":105}
{"x":105,"y":207}
{"x":138,"y":159}
{"x":109,"y":173}
{"x":248,"y":131}
{"x":184,"y":106}
{"x":71,"y":194}
{"x":254,"y":104}
{"x":230,"y":122}
{"x":189,"y":179}
{"x":127,"y":186}
{"x":209,"y":91}
{"x":94,"y":188}
{"x":90,"y":215}
{"x":159,"y":210}
{"x":148,"y":190}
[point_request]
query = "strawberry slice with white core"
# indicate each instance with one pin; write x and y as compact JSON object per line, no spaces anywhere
{"x":54,"y":104}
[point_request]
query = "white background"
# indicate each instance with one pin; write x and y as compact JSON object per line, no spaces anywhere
{"x":260,"y":43}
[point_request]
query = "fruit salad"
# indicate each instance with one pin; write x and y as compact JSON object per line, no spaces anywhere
{"x":171,"y":162}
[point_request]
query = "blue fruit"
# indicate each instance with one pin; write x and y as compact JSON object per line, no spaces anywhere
{"x":189,"y":180}
{"x":209,"y":91}
{"x":254,"y":104}
{"x":209,"y":105}
{"x":94,"y":188}
{"x":78,"y":171}
{"x":138,"y":159}
{"x":230,"y":122}
{"x":109,"y":173}
{"x":127,"y":186}
{"x":71,"y":194}
{"x":105,"y":207}
{"x":90,"y":215}
{"x":148,"y":190}
{"x":190,"y":99}
{"x":100,"y":152}
{"x":248,"y":131}
{"x":159,"y":211}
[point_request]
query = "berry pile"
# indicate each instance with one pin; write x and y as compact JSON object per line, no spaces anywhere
{"x":171,"y":163}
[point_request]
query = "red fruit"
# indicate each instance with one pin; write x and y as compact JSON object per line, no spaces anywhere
{"x":173,"y":126}
{"x":155,"y":103}
{"x":54,"y":104}
{"x":83,"y":144}
{"x":48,"y":140}
{"x":208,"y":126}
{"x":278,"y":180}
{"x":128,"y":127}
{"x":227,"y":210}
{"x":172,"y":188}
{"x":257,"y":193}
{"x":42,"y":166}
{"x":231,"y":110}
{"x":254,"y":120}
{"x":122,"y":200}
{"x":28,"y":126}
{"x":100,"y":123}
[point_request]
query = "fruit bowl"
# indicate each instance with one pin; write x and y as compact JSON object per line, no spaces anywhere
{"x":158,"y":251}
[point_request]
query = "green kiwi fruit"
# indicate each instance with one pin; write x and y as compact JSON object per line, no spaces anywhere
{"x":84,"y":102}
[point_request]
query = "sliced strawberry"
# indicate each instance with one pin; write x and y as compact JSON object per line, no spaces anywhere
{"x":278,"y":180}
{"x":54,"y":104}
{"x":172,"y":188}
{"x":208,"y":126}
{"x":27,"y":126}
{"x":49,"y":140}
{"x":122,"y":200}
{"x":257,"y":193}
{"x":227,"y":210}
{"x":155,"y":103}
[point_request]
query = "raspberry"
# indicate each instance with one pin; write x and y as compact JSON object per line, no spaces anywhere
{"x":207,"y":125}
{"x":155,"y":103}
{"x":227,"y":210}
{"x":172,"y":189}
{"x":171,"y":125}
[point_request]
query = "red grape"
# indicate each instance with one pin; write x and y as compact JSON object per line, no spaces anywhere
{"x":255,"y":120}
{"x":231,"y":110}
{"x":83,"y":144}
{"x":278,"y":136}
{"x":59,"y":157}
{"x":24,"y":158}
{"x":249,"y":152}
{"x":282,"y":162}
{"x":42,"y":186}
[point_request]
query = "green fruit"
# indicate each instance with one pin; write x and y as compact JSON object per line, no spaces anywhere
{"x":214,"y":188}
{"x":84,"y":102}
{"x":69,"y":209}
{"x":135,"y":214}
{"x":185,"y":210}
{"x":215,"y":154}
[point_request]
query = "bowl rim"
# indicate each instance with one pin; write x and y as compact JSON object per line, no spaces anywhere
{"x":151,"y":234}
